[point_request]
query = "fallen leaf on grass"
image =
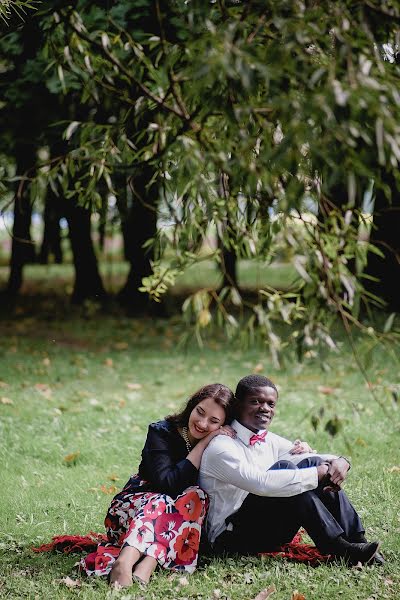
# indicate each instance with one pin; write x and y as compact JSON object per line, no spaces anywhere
{"x":108,"y":490}
{"x":121,"y":345}
{"x":297,"y":596}
{"x":5,"y":400}
{"x":134,"y":386}
{"x":71,"y":459}
{"x":264,"y":594}
{"x":113,"y":477}
{"x":71,"y":583}
{"x":46,"y":361}
{"x":3,"y":384}
{"x":324,"y":389}
{"x":44,"y":389}
{"x":258,"y":368}
{"x":109,"y":362}
{"x":394,"y":469}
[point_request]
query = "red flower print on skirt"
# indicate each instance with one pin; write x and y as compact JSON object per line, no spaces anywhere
{"x":154,"y":508}
{"x":141,"y":530}
{"x":105,"y":555}
{"x":190,"y":506}
{"x":186,"y":544}
{"x":167,"y":525}
{"x":157,"y":525}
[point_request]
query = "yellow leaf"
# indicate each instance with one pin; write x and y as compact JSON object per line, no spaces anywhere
{"x":108,"y":490}
{"x":5,"y":400}
{"x":109,"y":362}
{"x":46,"y":361}
{"x":70,"y":459}
{"x":258,"y":368}
{"x":361,"y":442}
{"x":297,"y":596}
{"x":204,"y":317}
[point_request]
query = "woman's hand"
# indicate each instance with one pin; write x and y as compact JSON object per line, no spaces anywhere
{"x":223,"y":430}
{"x":300,"y":447}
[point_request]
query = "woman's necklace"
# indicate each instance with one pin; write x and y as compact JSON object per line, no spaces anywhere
{"x":184,"y":434}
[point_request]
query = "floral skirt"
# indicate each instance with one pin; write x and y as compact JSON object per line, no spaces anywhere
{"x":157,"y":525}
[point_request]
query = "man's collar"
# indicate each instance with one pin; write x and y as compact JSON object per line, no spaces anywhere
{"x":243,"y":433}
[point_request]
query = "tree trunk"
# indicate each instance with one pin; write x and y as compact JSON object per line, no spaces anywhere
{"x":22,"y":250}
{"x":228,"y":266}
{"x":228,"y":253}
{"x":26,"y":129}
{"x":88,"y":283}
{"x":51,"y":243}
{"x":140,"y":225}
{"x":385,"y":235}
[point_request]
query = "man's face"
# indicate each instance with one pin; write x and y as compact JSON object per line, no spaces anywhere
{"x":257,"y":409}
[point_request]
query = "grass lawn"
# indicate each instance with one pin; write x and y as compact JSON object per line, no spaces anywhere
{"x":87,"y":389}
{"x":252,"y":275}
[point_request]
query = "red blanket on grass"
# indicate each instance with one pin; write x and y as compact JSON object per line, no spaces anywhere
{"x":295,"y":550}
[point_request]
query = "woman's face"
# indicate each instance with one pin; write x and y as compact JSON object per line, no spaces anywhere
{"x":207,"y":416}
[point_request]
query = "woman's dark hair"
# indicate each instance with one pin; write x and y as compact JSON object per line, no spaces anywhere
{"x":222,"y":395}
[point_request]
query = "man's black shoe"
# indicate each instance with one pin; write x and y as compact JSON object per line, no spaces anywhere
{"x":378,"y":560}
{"x":355,"y":552}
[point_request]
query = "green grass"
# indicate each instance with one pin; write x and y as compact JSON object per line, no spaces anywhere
{"x":66,"y":388}
{"x":59,"y":278}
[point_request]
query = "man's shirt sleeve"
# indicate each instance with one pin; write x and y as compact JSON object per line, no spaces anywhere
{"x":223,"y":461}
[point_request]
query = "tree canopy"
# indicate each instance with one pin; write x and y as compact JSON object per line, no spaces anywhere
{"x":264,"y":120}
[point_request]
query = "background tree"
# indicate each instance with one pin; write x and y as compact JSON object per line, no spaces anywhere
{"x":291,"y":101}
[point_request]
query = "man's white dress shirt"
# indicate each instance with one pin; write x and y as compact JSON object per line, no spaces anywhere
{"x":231,"y":469}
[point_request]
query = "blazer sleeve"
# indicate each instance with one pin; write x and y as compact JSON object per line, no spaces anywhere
{"x":160,"y":469}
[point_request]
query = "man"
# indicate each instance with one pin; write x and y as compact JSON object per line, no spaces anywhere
{"x":258,"y":501}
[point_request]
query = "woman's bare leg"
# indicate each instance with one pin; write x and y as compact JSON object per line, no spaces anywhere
{"x":145,"y":568}
{"x":121,"y":572}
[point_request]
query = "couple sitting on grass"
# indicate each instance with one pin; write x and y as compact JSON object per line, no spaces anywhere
{"x":247,"y":489}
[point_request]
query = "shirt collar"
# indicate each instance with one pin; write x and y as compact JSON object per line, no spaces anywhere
{"x":243,"y":433}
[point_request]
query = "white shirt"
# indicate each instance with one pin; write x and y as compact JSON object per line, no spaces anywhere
{"x":231,"y":469}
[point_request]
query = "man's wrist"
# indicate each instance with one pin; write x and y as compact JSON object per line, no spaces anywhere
{"x":347,"y":460}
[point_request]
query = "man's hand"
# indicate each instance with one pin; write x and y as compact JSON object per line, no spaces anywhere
{"x":322,"y":471}
{"x":324,"y":478}
{"x":337,"y":471}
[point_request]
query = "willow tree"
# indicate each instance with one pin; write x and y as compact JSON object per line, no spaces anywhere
{"x":288,"y":100}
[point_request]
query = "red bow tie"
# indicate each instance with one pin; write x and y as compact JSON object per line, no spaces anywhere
{"x":257,"y":437}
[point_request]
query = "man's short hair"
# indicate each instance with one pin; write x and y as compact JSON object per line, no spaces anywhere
{"x":251,"y":382}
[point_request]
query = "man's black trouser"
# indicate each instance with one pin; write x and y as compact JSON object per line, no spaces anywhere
{"x":264,"y":523}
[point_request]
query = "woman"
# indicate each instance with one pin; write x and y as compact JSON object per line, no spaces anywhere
{"x":157,"y":517}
